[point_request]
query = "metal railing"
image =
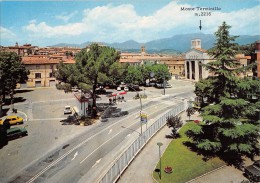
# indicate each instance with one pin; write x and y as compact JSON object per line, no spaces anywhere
{"x":118,"y":167}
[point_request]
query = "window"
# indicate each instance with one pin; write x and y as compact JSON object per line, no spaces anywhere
{"x":173,"y":67}
{"x":51,"y":75}
{"x":37,"y":67}
{"x":37,"y":75}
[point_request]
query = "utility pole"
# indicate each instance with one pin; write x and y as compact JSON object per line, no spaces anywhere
{"x":159,"y":145}
{"x":164,"y":85}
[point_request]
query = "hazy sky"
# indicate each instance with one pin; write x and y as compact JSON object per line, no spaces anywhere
{"x":46,"y":23}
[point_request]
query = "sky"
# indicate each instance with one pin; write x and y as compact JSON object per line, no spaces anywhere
{"x":45,"y":23}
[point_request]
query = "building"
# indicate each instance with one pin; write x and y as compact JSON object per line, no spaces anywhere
{"x":194,"y":59}
{"x":175,"y":63}
{"x":42,"y":69}
{"x":26,"y":49}
{"x":244,"y":61}
{"x":255,"y":58}
{"x":42,"y":62}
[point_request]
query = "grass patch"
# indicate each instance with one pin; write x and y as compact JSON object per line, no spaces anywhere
{"x":185,"y":163}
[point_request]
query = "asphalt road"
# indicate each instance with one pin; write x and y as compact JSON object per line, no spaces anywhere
{"x":70,"y":165}
{"x":53,"y":152}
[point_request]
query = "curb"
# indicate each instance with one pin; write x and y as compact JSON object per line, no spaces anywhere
{"x":206,"y":174}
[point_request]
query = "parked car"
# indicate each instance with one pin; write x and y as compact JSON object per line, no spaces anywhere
{"x":252,"y":172}
{"x":161,"y":85}
{"x":168,"y":85}
{"x":68,"y":110}
{"x":126,"y":88}
{"x":118,"y":88}
{"x":134,"y":88}
{"x":16,"y":132}
{"x":101,"y":91}
{"x":12,"y":120}
{"x":75,"y":89}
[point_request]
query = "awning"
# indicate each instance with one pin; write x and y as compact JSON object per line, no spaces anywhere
{"x":112,"y":95}
{"x":122,"y":93}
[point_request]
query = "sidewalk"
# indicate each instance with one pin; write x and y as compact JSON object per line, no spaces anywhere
{"x":149,"y":157}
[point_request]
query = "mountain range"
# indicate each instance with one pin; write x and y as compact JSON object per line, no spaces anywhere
{"x":174,"y":44}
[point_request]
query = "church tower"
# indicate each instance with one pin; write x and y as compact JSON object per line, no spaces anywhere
{"x":143,"y":50}
{"x":195,"y":43}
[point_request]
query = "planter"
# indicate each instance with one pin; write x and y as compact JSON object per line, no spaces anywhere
{"x":168,"y":169}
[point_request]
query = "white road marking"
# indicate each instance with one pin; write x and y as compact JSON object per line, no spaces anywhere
{"x":48,"y":119}
{"x":76,"y":154}
{"x":110,"y":131}
{"x":77,"y":146}
{"x":26,"y":117}
{"x":128,"y":135}
{"x":46,"y":101}
{"x":96,"y":162}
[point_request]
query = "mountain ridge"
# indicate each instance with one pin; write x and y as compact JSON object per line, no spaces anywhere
{"x":178,"y":43}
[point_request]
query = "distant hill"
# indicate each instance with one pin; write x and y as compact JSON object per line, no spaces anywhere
{"x":175,"y":44}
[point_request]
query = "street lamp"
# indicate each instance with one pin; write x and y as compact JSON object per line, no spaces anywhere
{"x":159,"y":145}
{"x":141,"y":106}
{"x":163,"y":85}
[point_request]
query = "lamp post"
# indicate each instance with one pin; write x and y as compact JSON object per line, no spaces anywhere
{"x":163,"y":85}
{"x":159,"y":145}
{"x":141,"y":106}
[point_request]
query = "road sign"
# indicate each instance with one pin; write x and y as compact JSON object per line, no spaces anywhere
{"x":143,"y":118}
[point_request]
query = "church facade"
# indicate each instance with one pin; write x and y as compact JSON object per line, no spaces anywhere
{"x":194,"y":59}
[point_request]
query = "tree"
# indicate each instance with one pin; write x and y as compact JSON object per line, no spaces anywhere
{"x":190,"y":111}
{"x":230,"y":125}
{"x":161,"y":72}
{"x":134,"y":75}
{"x":175,"y":123}
{"x":67,"y":73}
{"x":93,"y":66}
{"x":13,"y":71}
{"x":117,"y":73}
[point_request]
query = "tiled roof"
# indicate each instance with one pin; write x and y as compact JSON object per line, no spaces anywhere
{"x":38,"y":61}
{"x":201,"y":50}
{"x":242,"y":56}
{"x":69,"y":61}
{"x":129,"y":61}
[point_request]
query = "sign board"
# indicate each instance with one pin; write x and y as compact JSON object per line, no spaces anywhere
{"x":143,"y":118}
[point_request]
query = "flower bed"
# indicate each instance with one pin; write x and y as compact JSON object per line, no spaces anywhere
{"x":168,"y":169}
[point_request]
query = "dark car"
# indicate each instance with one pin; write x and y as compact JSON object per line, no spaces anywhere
{"x":101,"y":91}
{"x":14,"y":133}
{"x":252,"y":172}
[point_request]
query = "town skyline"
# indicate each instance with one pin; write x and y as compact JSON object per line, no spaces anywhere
{"x":48,"y":23}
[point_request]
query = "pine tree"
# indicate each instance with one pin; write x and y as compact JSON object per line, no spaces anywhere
{"x":230,"y":127}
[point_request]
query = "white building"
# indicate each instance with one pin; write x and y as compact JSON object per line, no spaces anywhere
{"x":193,"y":60}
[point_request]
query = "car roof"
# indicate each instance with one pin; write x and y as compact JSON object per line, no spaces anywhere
{"x":67,"y":106}
{"x":12,"y":116}
{"x":253,"y":169}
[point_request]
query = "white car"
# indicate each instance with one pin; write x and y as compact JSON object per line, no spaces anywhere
{"x":168,"y":86}
{"x":126,"y":89}
{"x":118,"y":88}
{"x":68,"y":110}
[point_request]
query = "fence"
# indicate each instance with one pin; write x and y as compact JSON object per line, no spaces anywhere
{"x":125,"y":159}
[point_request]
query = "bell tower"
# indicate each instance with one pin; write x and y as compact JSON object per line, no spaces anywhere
{"x":143,"y":50}
{"x":195,"y":43}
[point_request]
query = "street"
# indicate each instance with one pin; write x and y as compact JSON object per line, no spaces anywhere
{"x":52,"y":151}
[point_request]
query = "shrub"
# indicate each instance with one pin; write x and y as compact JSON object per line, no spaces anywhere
{"x":175,"y":123}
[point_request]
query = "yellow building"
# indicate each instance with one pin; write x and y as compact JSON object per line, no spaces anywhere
{"x":42,"y":70}
{"x":175,"y":63}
